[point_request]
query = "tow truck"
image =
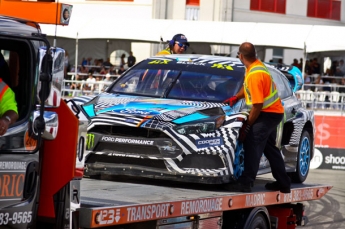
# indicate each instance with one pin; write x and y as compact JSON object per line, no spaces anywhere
{"x":41,"y":157}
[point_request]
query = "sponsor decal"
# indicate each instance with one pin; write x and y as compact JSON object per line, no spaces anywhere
{"x":298,"y":195}
{"x":147,"y":212}
{"x":90,"y":141}
{"x":208,"y":142}
{"x":201,"y":206}
{"x":330,"y":158}
{"x":108,"y":216}
{"x":12,"y":165}
{"x":317,"y":159}
{"x":159,"y":61}
{"x":222,"y":66}
{"x":136,"y":111}
{"x":255,"y":200}
{"x":329,"y":131}
{"x":126,"y":140}
{"x":191,"y":63}
{"x":11,"y":185}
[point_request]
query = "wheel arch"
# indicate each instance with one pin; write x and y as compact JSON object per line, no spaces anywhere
{"x":309,"y":127}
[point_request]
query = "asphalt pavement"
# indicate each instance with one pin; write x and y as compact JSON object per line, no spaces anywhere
{"x":329,"y":211}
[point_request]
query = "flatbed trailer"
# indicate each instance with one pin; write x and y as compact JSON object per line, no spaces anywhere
{"x":152,"y":204}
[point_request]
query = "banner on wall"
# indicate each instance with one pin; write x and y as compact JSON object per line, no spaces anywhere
{"x":330,"y":132}
{"x":329,"y":143}
{"x":326,"y":158}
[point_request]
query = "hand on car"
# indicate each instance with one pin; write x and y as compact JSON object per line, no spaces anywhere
{"x":231,"y":101}
{"x":243,"y":132}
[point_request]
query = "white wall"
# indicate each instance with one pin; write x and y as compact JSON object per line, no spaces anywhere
{"x":141,"y":50}
{"x":206,"y":10}
{"x":176,"y":9}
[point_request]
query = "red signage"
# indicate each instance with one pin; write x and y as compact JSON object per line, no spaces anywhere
{"x":330,"y":131}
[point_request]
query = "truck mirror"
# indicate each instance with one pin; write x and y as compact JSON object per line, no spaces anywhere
{"x":53,"y":74}
{"x":51,"y":124}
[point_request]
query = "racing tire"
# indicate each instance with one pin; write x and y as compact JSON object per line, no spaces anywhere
{"x":259,"y":222}
{"x":303,"y":159}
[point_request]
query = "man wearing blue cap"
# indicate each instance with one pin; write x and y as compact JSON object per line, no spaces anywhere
{"x":177,"y":45}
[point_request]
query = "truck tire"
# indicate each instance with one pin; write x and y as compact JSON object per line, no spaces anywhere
{"x":259,"y":222}
{"x":303,"y":159}
{"x":255,"y":218}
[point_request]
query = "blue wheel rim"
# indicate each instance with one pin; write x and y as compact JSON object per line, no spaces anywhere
{"x":239,"y":160}
{"x":304,"y":156}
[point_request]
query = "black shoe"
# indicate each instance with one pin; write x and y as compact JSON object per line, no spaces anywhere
{"x":238,"y":187}
{"x":275,"y":186}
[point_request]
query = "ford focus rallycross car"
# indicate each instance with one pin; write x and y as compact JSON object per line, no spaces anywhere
{"x":165,"y":118}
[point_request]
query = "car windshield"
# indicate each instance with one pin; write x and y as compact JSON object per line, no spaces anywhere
{"x":179,"y":84}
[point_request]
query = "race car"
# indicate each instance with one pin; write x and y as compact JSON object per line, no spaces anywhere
{"x":164,"y":118}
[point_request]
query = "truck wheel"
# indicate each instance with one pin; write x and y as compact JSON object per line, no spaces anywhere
{"x":303,"y":159}
{"x":258,"y":222}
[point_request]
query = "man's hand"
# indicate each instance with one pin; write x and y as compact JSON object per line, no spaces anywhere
{"x":231,"y":101}
{"x":244,"y":131}
{"x":4,"y":124}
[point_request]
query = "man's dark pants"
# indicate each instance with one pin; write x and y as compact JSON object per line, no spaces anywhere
{"x":262,"y":138}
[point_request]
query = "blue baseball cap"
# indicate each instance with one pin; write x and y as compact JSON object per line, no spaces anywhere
{"x":182,"y":39}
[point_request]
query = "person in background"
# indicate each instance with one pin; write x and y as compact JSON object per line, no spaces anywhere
{"x":296,"y":64}
{"x":342,"y":66}
{"x":300,"y":63}
{"x":107,"y":81}
{"x":131,"y":60}
{"x":107,"y":63}
{"x":89,"y":85}
{"x":259,"y":131}
{"x":177,"y":45}
{"x":121,"y":70}
{"x":8,"y":107}
{"x":122,"y":61}
{"x":315,"y":67}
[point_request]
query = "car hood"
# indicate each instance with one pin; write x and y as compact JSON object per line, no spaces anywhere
{"x":140,"y":110}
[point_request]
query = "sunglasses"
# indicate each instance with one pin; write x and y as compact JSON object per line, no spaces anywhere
{"x":181,"y":45}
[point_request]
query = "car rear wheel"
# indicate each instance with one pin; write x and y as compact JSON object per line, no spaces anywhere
{"x":303,"y":159}
{"x":239,"y":160}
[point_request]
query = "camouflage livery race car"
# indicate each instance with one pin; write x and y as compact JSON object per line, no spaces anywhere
{"x":165,"y":118}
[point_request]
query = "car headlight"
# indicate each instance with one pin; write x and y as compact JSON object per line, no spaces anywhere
{"x":201,"y":127}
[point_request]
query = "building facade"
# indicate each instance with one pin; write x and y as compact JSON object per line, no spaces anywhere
{"x":309,"y":12}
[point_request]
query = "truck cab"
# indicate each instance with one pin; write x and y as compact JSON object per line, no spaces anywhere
{"x":39,"y":152}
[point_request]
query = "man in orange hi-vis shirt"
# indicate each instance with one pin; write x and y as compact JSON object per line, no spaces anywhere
{"x":259,"y":132}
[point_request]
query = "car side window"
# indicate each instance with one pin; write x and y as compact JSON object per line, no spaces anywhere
{"x":282,"y":84}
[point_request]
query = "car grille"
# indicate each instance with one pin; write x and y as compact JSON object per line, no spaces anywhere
{"x":127,"y":149}
{"x":127,"y":131}
{"x":93,"y":158}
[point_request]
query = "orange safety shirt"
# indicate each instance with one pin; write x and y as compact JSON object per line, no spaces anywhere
{"x":259,"y":84}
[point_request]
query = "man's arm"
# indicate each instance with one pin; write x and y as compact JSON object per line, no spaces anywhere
{"x":254,"y":113}
{"x":8,"y":118}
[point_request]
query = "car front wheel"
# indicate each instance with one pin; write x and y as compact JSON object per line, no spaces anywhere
{"x":303,"y":159}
